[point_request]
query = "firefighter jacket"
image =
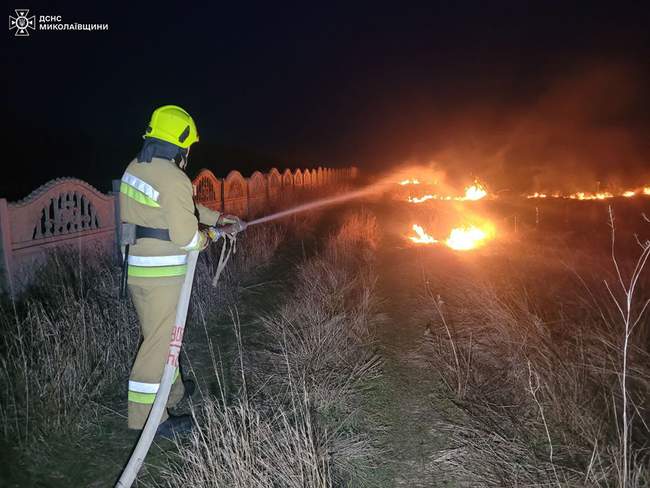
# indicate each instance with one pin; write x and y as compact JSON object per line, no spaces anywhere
{"x":159,"y":195}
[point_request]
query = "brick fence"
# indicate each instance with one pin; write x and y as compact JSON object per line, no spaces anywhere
{"x":67,"y":212}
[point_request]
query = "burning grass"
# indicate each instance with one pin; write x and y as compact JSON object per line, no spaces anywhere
{"x":599,"y":195}
{"x":550,"y":383}
{"x":432,"y":186}
{"x":463,"y":238}
{"x":475,"y":191}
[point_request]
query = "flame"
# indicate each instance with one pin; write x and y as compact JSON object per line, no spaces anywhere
{"x":460,"y":238}
{"x":475,"y":192}
{"x":603,"y":195}
{"x":422,"y":237}
{"x":580,"y":195}
{"x":421,"y":199}
{"x":466,"y":238}
{"x":424,"y":198}
{"x":409,"y":182}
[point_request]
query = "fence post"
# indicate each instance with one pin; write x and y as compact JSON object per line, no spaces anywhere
{"x":118,"y":227}
{"x":6,"y":272}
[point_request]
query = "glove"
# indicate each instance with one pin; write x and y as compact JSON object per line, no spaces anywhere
{"x":215,"y":233}
{"x":212,"y":234}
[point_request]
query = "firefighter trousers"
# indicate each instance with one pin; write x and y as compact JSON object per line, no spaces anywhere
{"x":155,"y":304}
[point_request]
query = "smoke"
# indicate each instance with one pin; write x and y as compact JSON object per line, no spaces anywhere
{"x":583,"y":128}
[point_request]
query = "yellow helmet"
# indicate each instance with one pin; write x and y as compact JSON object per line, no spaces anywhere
{"x":173,"y":124}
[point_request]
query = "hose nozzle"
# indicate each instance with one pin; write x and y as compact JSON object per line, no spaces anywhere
{"x":232,"y":229}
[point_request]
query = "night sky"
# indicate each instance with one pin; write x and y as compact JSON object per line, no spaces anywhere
{"x":518,"y":93}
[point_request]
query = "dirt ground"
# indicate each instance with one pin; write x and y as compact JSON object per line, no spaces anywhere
{"x":411,"y":439}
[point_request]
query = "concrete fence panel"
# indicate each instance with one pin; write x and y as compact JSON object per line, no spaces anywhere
{"x":306,"y":177}
{"x":65,"y":212}
{"x":257,"y":195}
{"x":274,"y":182}
{"x":298,"y":180}
{"x":235,"y":195}
{"x":207,"y":190}
{"x":287,"y":180}
{"x":68,"y":212}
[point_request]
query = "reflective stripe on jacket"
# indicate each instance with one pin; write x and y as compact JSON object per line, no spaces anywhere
{"x":157,"y":266}
{"x":139,"y":190}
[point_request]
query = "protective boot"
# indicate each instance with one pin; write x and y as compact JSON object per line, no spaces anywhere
{"x":175,"y":425}
{"x":189,"y":388}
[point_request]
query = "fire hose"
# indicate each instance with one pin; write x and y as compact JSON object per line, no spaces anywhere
{"x":229,"y":234}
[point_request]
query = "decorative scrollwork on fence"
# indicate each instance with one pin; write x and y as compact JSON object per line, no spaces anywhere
{"x":205,"y":190}
{"x":235,"y":189}
{"x":66,"y":213}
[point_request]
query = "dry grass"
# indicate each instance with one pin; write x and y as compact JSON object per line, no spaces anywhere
{"x":531,"y":354}
{"x":297,"y":427}
{"x":323,"y":332}
{"x":242,"y":448}
{"x":253,"y":250}
{"x":64,"y":346}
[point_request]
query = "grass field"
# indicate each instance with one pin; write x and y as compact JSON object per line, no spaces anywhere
{"x":335,"y":352}
{"x":521,"y":346}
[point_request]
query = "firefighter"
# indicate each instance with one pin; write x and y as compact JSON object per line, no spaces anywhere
{"x":156,"y":196}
